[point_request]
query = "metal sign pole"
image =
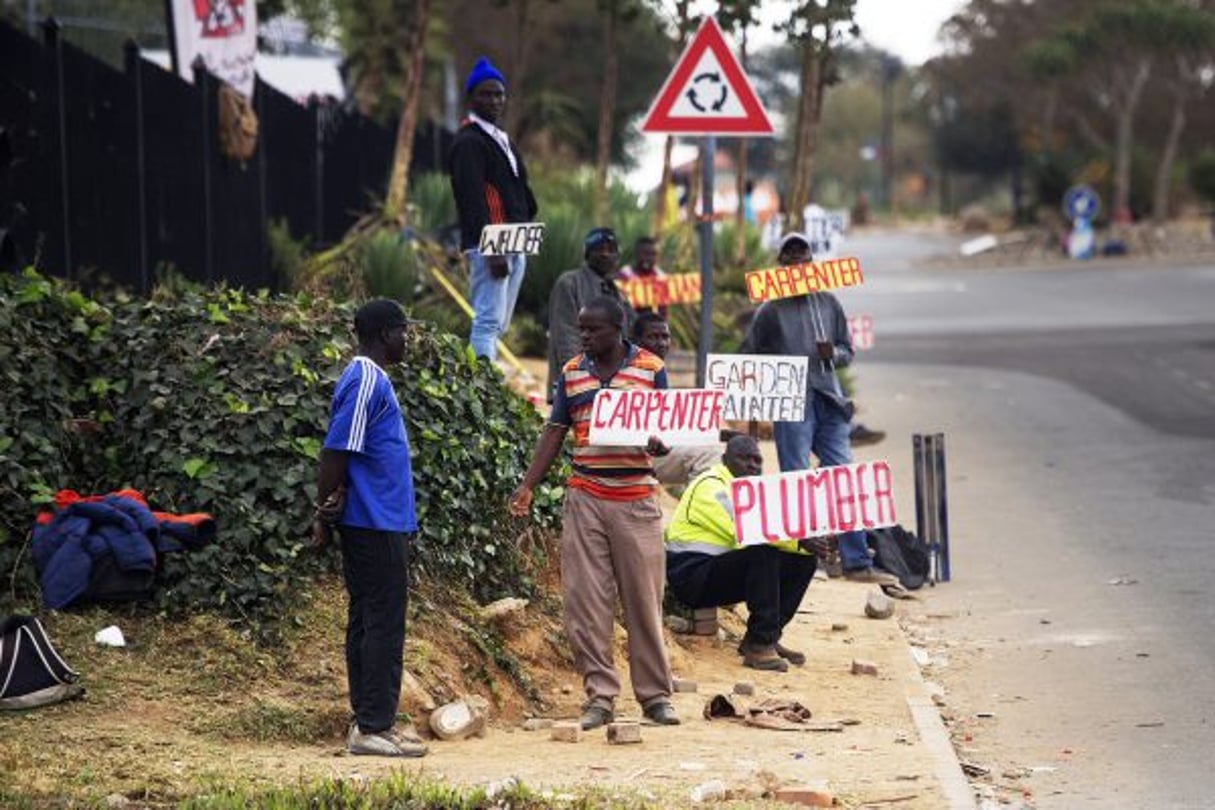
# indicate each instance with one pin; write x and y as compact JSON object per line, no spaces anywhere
{"x":707,"y":149}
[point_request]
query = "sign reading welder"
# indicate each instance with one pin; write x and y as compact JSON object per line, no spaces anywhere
{"x":800,"y":279}
{"x":648,"y":293}
{"x":513,"y":237}
{"x":677,"y":416}
{"x":764,"y":387}
{"x":813,"y":503}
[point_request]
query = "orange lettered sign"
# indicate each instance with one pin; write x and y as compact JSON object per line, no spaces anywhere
{"x":799,"y":279}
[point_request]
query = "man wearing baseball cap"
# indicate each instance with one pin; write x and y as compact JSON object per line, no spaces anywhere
{"x":576,"y":288}
{"x":489,"y":182}
{"x":365,"y":491}
{"x":814,"y":326}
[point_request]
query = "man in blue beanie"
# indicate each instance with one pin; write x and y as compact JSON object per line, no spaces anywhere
{"x":489,"y":183}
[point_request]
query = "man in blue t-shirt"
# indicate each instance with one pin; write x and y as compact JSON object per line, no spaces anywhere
{"x":365,"y":490}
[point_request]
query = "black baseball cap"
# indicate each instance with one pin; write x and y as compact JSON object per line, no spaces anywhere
{"x":380,"y":313}
{"x":596,"y":237}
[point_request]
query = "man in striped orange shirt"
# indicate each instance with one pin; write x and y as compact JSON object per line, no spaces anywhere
{"x":611,"y":541}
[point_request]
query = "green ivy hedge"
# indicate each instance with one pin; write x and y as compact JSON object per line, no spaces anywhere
{"x":217,"y":402}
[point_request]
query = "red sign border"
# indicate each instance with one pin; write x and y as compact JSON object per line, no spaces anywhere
{"x":659,"y":120}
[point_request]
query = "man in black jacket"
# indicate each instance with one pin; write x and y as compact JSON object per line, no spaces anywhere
{"x":490,"y":186}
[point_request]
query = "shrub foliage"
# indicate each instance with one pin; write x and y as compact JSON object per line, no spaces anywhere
{"x":217,"y":402}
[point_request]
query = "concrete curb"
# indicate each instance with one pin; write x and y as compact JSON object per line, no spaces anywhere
{"x":931,"y":728}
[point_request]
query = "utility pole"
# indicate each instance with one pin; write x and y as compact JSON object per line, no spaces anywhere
{"x":891,"y":67}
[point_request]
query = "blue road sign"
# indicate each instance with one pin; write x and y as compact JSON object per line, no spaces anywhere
{"x":1081,"y":202}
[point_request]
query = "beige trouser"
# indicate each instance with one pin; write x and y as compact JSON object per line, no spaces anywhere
{"x":683,"y":464}
{"x":610,"y":548}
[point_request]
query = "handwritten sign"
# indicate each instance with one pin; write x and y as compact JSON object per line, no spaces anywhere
{"x":860,"y":329}
{"x":764,"y":387}
{"x":514,"y":237}
{"x":650,"y":293}
{"x":677,"y":416}
{"x":812,"y":503}
{"x":800,"y":279}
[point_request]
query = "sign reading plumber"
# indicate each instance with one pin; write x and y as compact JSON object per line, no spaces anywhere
{"x":677,"y":416}
{"x":223,"y":33}
{"x":764,"y":387}
{"x":812,"y":503}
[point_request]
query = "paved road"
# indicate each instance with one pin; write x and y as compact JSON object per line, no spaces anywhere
{"x":1079,"y":407}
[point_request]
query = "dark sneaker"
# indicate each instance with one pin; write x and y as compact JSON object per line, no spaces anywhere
{"x":594,"y":716}
{"x":860,"y":435}
{"x":792,"y":656}
{"x":382,"y":743}
{"x":662,"y":713}
{"x":871,"y":576}
{"x":765,"y":658}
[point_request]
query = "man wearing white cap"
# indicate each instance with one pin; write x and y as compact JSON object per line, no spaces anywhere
{"x":814,"y":325}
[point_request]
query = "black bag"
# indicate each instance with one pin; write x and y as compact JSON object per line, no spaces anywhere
{"x":901,"y":553}
{"x":31,"y":672}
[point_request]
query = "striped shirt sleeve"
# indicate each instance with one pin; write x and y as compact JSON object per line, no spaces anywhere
{"x":353,"y":404}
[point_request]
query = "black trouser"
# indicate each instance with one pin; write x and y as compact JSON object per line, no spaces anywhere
{"x":772,"y":583}
{"x":376,"y":567}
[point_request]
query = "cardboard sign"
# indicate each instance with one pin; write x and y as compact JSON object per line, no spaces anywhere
{"x":813,"y":503}
{"x":764,"y":387}
{"x":860,"y":329}
{"x":513,"y":237}
{"x":677,"y":416}
{"x":222,"y":32}
{"x":651,"y":293}
{"x":800,"y":279}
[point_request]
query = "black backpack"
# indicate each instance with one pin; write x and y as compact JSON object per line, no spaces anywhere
{"x":31,"y":672}
{"x":901,"y":553}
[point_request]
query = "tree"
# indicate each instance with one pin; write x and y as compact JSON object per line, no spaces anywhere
{"x":402,"y":156}
{"x":818,"y":27}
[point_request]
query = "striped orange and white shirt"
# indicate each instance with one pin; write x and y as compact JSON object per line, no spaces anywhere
{"x":611,"y":473}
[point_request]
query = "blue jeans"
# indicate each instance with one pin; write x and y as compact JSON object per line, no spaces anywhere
{"x":825,"y":432}
{"x":493,"y":301}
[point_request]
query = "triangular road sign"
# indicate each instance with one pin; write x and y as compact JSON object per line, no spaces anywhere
{"x":707,"y":93}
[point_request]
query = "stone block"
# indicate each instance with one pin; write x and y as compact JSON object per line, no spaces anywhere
{"x":566,"y":731}
{"x":623,"y":732}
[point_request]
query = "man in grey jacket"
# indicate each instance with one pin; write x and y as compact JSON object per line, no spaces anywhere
{"x":815,"y":326}
{"x":576,"y":288}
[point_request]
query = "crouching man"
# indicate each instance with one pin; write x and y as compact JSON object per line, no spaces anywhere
{"x":706,"y":567}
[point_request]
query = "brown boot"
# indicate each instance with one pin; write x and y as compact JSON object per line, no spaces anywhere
{"x":792,"y":656}
{"x":765,"y":658}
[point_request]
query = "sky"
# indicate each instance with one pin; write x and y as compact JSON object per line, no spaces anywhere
{"x":906,"y":28}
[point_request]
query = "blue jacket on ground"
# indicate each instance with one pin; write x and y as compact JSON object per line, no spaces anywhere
{"x":65,"y":549}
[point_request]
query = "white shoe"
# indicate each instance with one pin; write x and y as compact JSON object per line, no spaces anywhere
{"x":384,"y":743}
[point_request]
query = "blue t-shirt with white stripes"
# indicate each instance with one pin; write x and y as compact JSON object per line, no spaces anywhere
{"x":366,"y":424}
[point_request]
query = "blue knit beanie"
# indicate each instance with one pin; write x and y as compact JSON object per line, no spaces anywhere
{"x":483,"y":71}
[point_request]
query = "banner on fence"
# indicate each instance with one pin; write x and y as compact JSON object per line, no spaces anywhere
{"x":800,"y":279}
{"x":650,"y":293}
{"x":765,"y":387}
{"x":860,"y":329}
{"x":813,"y":503}
{"x":223,"y":33}
{"x":512,"y":237}
{"x":677,"y":416}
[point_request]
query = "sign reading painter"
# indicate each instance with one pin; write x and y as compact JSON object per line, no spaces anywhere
{"x":801,"y":279}
{"x":677,"y":416}
{"x":649,"y":293}
{"x":512,"y":237}
{"x":764,"y":387}
{"x":813,"y":503}
{"x":223,"y":33}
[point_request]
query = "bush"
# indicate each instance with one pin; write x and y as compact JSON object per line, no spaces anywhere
{"x":1202,"y":175}
{"x":218,"y":402}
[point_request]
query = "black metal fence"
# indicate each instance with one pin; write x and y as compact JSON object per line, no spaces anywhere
{"x":113,"y":176}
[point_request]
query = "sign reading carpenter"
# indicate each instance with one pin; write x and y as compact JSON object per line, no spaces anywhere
{"x":513,"y":237}
{"x":812,"y":503}
{"x":801,"y":279}
{"x":764,"y":387}
{"x":677,"y":416}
